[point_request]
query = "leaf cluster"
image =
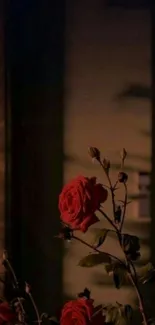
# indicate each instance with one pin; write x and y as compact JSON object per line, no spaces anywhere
{"x":115,"y":268}
{"x":120,"y":270}
{"x":118,"y":314}
{"x":131,"y":246}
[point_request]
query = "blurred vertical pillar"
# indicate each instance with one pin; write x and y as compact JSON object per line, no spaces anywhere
{"x":152,"y":243}
{"x":34,"y":155}
{"x":2,"y":135}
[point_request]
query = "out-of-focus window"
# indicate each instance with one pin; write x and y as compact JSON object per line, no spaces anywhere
{"x":144,"y":194}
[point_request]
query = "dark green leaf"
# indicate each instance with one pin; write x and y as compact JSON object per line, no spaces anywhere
{"x":100,"y":237}
{"x":146,"y":273}
{"x":115,"y":314}
{"x":117,"y":279}
{"x":121,"y":321}
{"x":112,"y":314}
{"x":109,"y":268}
{"x":131,"y":246}
{"x":118,"y":271}
{"x":125,"y":315}
{"x":94,"y":259}
{"x":130,"y":242}
{"x":128,"y":312}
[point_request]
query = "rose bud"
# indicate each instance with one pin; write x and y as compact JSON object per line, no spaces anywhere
{"x":106,"y":164}
{"x":5,"y":255}
{"x":122,"y":177}
{"x":94,"y":153}
{"x":27,"y":288}
{"x":123,"y":154}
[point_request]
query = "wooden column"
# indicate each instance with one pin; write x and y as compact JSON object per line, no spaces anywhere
{"x":35,"y":73}
{"x":2,"y":137}
{"x":152,"y":242}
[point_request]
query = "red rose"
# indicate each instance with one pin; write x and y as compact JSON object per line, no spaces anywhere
{"x":6,"y":314}
{"x":77,"y":312}
{"x":79,"y":200}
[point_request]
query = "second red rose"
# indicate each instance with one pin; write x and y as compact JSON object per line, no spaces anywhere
{"x":79,"y":201}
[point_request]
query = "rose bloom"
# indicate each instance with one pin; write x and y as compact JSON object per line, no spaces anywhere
{"x":6,"y":313}
{"x":80,"y":312}
{"x":79,"y":200}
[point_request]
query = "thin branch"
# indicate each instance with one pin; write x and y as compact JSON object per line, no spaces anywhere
{"x":140,"y":299}
{"x":16,"y":284}
{"x":111,"y":187}
{"x":125,"y":204}
{"x":115,"y":185}
{"x":133,"y":279}
{"x":39,"y":321}
{"x":12,"y":271}
{"x":134,"y":271}
{"x":98,"y":311}
{"x":108,"y":219}
{"x":129,"y":264}
{"x":130,"y":276}
{"x":106,"y":186}
{"x":97,"y":250}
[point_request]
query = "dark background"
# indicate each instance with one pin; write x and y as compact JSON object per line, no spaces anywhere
{"x":130,"y":4}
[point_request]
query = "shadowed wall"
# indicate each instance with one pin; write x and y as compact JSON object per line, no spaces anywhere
{"x":108,"y":49}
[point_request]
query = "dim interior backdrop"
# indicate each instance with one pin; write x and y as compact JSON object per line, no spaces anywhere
{"x":76,"y":74}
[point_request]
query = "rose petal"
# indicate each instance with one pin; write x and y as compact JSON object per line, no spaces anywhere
{"x":77,"y":312}
{"x":6,"y":314}
{"x":87,"y":222}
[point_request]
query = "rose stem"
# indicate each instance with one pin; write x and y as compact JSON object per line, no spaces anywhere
{"x":125,"y":204}
{"x":16,"y":283}
{"x":35,"y":308}
{"x":141,"y":304}
{"x":131,"y":278}
{"x":109,"y":220}
{"x":111,"y":187}
{"x":140,"y":298}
